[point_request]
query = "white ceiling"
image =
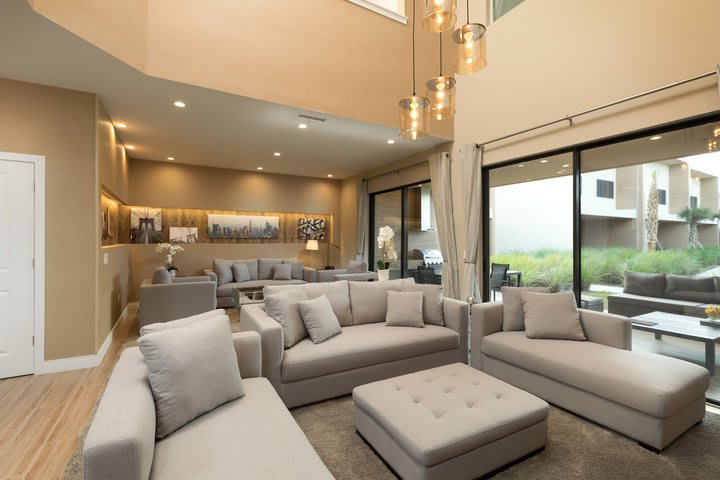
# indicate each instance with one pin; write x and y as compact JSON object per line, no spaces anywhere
{"x":216,"y":129}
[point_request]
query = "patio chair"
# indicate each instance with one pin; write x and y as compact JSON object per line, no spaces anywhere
{"x":498,"y":276}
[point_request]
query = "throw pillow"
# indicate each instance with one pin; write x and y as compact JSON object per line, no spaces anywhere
{"x":298,"y":268}
{"x":513,"y":316}
{"x":404,"y":309}
{"x":265,"y":267}
{"x":646,"y":284}
{"x":283,"y":307}
{"x":683,"y":283}
{"x":240,"y":272}
{"x":368,"y":300}
{"x":432,"y":306}
{"x":319,"y":319}
{"x":223,"y":270}
{"x":552,"y":315}
{"x":354,"y":266}
{"x":181,"y":322}
{"x":191,"y":370}
{"x":161,"y":276}
{"x":282,"y":272}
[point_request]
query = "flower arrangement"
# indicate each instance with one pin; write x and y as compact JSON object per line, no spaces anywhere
{"x":713,"y":313}
{"x":171,"y":250}
{"x":385,"y":244}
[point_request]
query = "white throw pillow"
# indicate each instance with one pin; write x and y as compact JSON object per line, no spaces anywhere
{"x":283,"y":307}
{"x":182,"y":322}
{"x":513,"y":315}
{"x":240,"y":272}
{"x":404,"y":309}
{"x":552,"y":315}
{"x":319,"y":318}
{"x":432,"y":302}
{"x":192,"y":370}
{"x":282,"y":271}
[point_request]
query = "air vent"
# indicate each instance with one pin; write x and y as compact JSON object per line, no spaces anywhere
{"x":311,"y":118}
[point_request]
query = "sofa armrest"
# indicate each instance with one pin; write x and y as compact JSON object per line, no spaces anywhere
{"x":211,"y":273}
{"x":607,"y":329}
{"x":456,"y":313}
{"x":329,"y":275}
{"x":254,"y":319}
{"x":120,"y":443}
{"x":249,"y":353}
{"x":309,"y":274}
{"x":195,"y":279}
{"x":165,"y":302}
{"x":486,"y":319}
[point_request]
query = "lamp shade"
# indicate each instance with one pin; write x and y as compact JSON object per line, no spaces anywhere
{"x":470,"y":40}
{"x":414,"y":117}
{"x":441,"y":93}
{"x":312,"y":245}
{"x":439,"y":15}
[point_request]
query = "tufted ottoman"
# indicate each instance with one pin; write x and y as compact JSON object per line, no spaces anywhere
{"x":449,"y":422}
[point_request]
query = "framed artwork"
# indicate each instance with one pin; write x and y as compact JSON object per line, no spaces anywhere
{"x":183,"y":235}
{"x":145,"y":225}
{"x":311,"y":229}
{"x":243,"y":226}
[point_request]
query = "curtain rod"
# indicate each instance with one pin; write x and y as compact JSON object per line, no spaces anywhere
{"x":570,"y":118}
{"x":397,"y":170}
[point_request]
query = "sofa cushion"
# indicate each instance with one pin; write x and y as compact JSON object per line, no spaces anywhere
{"x":404,"y":309}
{"x":319,"y":318}
{"x":240,"y":272}
{"x":161,"y":275}
{"x":552,"y":315}
{"x":353,"y":266}
{"x":298,"y":268}
{"x":693,"y":296}
{"x":266,"y":442}
{"x":223,"y":270}
{"x":282,"y":306}
{"x":226,"y":290}
{"x":265,"y":267}
{"x":651,"y":383}
{"x":683,"y":283}
{"x":432,"y":302}
{"x":513,"y":312}
{"x":282,"y":272}
{"x":648,"y":284}
{"x":364,"y":345}
{"x":181,"y":322}
{"x":191,"y":370}
{"x":368,"y":300}
{"x":336,"y":292}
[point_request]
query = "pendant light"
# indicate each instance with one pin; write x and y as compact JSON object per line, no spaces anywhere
{"x":441,"y":92}
{"x":414,"y":110}
{"x":440,"y":15}
{"x":471,"y":46}
{"x":712,"y":143}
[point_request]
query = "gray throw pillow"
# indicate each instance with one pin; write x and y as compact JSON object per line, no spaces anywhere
{"x":283,"y":307}
{"x":552,"y":315}
{"x":298,"y":268}
{"x":191,"y":370}
{"x":265,"y":267}
{"x":161,"y":276}
{"x":513,"y":316}
{"x":646,"y":284}
{"x":182,"y":322}
{"x":282,"y":272}
{"x":240,"y":272}
{"x":319,"y":319}
{"x":223,"y":270}
{"x":354,"y":266}
{"x":432,"y":306}
{"x":404,"y":309}
{"x":683,"y":283}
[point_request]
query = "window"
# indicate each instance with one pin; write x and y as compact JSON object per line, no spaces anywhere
{"x":693,"y":201}
{"x":394,"y":9}
{"x":605,"y":189}
{"x":662,"y":197}
{"x":501,"y":7}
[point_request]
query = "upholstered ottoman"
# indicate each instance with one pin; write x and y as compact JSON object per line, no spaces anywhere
{"x":449,"y":422}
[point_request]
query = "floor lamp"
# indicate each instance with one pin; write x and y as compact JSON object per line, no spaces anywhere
{"x":327,"y":256}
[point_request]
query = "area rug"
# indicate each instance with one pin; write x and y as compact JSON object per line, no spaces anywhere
{"x":576,"y":449}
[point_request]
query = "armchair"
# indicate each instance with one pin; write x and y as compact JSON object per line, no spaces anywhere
{"x":163,"y":298}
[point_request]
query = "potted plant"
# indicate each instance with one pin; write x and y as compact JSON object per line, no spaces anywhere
{"x":171,"y":250}
{"x":387,"y":252}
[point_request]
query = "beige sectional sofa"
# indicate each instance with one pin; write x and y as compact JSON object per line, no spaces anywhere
{"x":649,"y":397}
{"x":254,"y":436}
{"x":366,"y":351}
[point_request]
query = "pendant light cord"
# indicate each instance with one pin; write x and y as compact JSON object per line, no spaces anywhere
{"x":468,"y":11}
{"x":413,"y":45}
{"x":441,"y":54}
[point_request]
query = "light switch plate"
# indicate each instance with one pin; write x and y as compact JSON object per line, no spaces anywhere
{"x":106,"y":258}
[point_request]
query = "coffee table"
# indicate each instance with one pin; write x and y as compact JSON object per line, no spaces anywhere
{"x":246,"y":296}
{"x":682,"y":326}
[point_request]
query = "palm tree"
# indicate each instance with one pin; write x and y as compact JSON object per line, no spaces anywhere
{"x":693,"y":216}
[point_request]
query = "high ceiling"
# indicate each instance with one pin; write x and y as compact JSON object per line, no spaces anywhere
{"x":215,"y":129}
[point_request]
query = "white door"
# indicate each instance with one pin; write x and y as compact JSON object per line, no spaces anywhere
{"x":17,"y":273}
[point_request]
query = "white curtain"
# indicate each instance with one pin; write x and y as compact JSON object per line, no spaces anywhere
{"x":441,"y":179}
{"x":471,"y":186}
{"x":363,"y":201}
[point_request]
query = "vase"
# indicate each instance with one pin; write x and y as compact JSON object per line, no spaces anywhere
{"x":173,"y":272}
{"x":383,"y":274}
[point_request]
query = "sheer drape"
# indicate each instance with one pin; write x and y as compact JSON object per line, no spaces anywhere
{"x":440,"y":176}
{"x":363,"y":201}
{"x":471,"y":185}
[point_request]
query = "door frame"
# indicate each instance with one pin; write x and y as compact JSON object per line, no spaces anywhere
{"x":38,"y":251}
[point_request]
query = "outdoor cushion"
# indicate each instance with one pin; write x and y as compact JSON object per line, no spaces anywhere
{"x":282,"y":306}
{"x":651,"y":383}
{"x":161,"y":276}
{"x":552,"y":315}
{"x":513,"y":313}
{"x":404,"y":309}
{"x":336,"y":292}
{"x":679,"y":283}
{"x":282,"y":272}
{"x":432,"y":302}
{"x":240,"y":272}
{"x":648,"y":284}
{"x":298,"y":268}
{"x":226,"y":290}
{"x":265,"y":267}
{"x":319,"y":319}
{"x":693,"y":296}
{"x":258,"y":426}
{"x":368,"y":300}
{"x":223,"y":270}
{"x":364,"y":345}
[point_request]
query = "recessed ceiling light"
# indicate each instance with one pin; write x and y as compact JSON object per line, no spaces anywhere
{"x":329,"y":175}
{"x":391,"y":141}
{"x":302,"y":125}
{"x":130,"y":147}
{"x":179,"y":104}
{"x":121,"y":125}
{"x":521,"y":165}
{"x":259,"y":168}
{"x":561,"y":171}
{"x":566,"y":165}
{"x":656,"y":137}
{"x":171,"y":158}
{"x":277,"y":154}
{"x":543,"y":161}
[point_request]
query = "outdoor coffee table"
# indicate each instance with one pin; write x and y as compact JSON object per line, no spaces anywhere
{"x":681,"y":326}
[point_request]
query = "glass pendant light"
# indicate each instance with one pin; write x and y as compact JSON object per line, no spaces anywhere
{"x":712,"y":143}
{"x":440,"y":15}
{"x":441,"y":92}
{"x":470,"y":39}
{"x":414,"y":110}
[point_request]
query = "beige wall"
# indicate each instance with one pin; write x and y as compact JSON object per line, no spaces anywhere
{"x":338,"y":58}
{"x":60,"y":124}
{"x":112,"y":161}
{"x":113,"y":291}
